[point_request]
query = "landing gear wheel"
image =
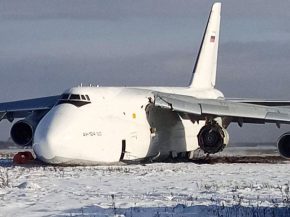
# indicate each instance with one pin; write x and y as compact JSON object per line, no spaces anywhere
{"x":23,"y":157}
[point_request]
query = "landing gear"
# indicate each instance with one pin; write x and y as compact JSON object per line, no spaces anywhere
{"x":23,"y":157}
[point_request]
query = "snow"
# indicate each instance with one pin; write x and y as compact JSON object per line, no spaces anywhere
{"x":158,"y":189}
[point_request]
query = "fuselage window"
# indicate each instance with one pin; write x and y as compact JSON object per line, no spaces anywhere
{"x":75,"y":97}
{"x":83,"y":97}
{"x":88,"y":98}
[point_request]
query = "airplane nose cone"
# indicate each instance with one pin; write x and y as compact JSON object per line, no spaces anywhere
{"x":45,"y":144}
{"x":51,"y":134}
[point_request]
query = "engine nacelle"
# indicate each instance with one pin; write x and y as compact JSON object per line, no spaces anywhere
{"x":212,"y":138}
{"x":283,"y":145}
{"x":22,"y":133}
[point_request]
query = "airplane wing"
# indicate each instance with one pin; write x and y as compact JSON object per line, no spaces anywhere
{"x":230,"y":111}
{"x":261,"y":102}
{"x":22,"y":108}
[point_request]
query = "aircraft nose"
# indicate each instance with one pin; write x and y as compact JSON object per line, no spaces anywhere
{"x":50,"y":136}
{"x":45,"y":143}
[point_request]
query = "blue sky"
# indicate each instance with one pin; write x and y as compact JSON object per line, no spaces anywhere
{"x":49,"y":46}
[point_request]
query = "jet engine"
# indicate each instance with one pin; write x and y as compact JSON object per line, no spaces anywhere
{"x":22,"y":131}
{"x":283,"y":145}
{"x":212,"y":138}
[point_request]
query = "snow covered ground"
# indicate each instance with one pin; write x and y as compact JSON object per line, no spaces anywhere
{"x":159,"y":189}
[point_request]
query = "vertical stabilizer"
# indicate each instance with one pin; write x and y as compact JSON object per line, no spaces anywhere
{"x":204,"y":72}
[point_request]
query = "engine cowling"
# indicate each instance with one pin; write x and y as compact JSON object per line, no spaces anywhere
{"x":283,"y":145}
{"x":212,"y":138}
{"x":22,"y":133}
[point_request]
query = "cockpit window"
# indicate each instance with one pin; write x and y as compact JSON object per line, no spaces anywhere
{"x":74,"y":99}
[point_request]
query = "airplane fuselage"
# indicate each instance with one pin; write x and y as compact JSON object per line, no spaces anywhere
{"x":115,"y":124}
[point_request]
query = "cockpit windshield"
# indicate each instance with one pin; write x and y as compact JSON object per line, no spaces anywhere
{"x":74,"y":99}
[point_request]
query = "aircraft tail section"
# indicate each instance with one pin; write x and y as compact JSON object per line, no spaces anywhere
{"x":204,"y":72}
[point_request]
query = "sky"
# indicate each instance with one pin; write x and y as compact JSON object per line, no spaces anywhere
{"x":48,"y":46}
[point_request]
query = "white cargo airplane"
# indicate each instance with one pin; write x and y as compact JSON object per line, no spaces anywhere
{"x":99,"y":125}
